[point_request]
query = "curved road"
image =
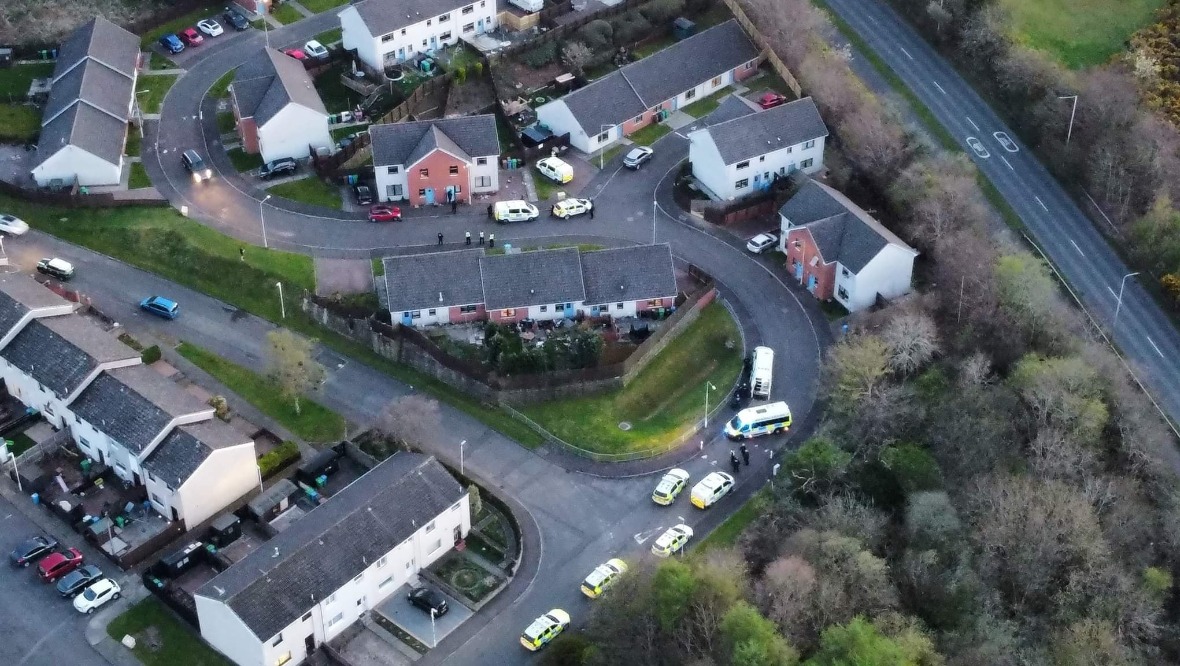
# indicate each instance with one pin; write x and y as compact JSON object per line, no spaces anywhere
{"x":573,"y":521}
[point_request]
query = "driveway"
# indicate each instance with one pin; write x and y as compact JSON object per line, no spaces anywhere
{"x":397,"y":609}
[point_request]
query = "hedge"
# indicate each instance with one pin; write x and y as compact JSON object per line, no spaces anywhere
{"x":278,"y":458}
{"x":150,"y":355}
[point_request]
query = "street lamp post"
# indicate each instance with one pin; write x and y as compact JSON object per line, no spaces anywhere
{"x":1069,"y":132}
{"x":602,"y":129}
{"x":461,"y":447}
{"x":433,"y":633}
{"x":282,"y":303}
{"x":262,"y":218}
{"x":708,"y":386}
{"x":1118,"y":307}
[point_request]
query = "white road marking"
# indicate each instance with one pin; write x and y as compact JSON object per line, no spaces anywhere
{"x":939,"y":87}
{"x":973,"y":123}
{"x":644,"y":536}
{"x":1157,"y":349}
{"x":1042,"y":204}
{"x":1075,"y":246}
{"x":1007,"y":162}
{"x":1111,"y":291}
{"x":907,"y":54}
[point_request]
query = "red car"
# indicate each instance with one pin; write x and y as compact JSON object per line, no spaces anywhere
{"x":296,"y":54}
{"x":385,"y":214}
{"x":771,"y":100}
{"x":56,"y":565}
{"x":191,"y":37}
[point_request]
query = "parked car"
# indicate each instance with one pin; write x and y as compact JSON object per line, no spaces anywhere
{"x":12,"y":225}
{"x":280,"y":167}
{"x":99,"y":592}
{"x":57,"y":564}
{"x":567,"y":208}
{"x":191,"y":37}
{"x":429,"y":600}
{"x":78,"y":580}
{"x":758,"y":244}
{"x":555,"y":170}
{"x":295,"y":53}
{"x":316,"y":50}
{"x":637,"y":157}
{"x":32,"y":549}
{"x":363,"y":194}
{"x":670,"y":487}
{"x":671,"y":541}
{"x":710,"y":489}
{"x":210,"y":27}
{"x":771,"y":100}
{"x":545,"y":629}
{"x":385,"y":214}
{"x":603,"y":576}
{"x":171,"y":43}
{"x":160,"y":306}
{"x":235,"y":19}
{"x":514,"y":211}
{"x":196,"y":166}
{"x":58,"y":268}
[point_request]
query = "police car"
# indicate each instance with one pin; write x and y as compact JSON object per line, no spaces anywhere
{"x":711,"y":488}
{"x":670,"y":487}
{"x":544,"y":629}
{"x":603,"y":576}
{"x":671,"y":541}
{"x":567,"y":208}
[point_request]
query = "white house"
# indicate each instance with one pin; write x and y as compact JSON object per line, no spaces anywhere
{"x":837,"y":250}
{"x":312,"y":581}
{"x":436,"y":161}
{"x":746,"y":154}
{"x":278,"y":111}
{"x":84,"y":126}
{"x":386,"y":32}
{"x":198,"y":470}
{"x":637,"y":95}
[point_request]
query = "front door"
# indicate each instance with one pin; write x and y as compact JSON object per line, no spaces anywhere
{"x":479,"y":27}
{"x":433,"y":42}
{"x":430,"y":196}
{"x":401,"y":53}
{"x":458,"y":533}
{"x":309,"y":644}
{"x":799,"y":271}
{"x":811,"y":283}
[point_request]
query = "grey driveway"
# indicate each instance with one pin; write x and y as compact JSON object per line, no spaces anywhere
{"x":417,"y":623}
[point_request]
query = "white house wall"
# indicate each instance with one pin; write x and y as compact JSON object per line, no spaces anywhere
{"x":426,"y":35}
{"x":559,"y":119}
{"x":72,"y":164}
{"x":225,"y":631}
{"x":490,"y":169}
{"x":707,"y":165}
{"x":289,"y":133}
{"x":424,"y":317}
{"x":888,"y":274}
{"x":355,"y":35}
{"x":226,"y":475}
{"x":702,"y":90}
{"x":721,"y":179}
{"x":385,"y":179}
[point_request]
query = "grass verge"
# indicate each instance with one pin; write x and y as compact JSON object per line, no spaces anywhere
{"x":158,"y":62}
{"x":134,"y":142}
{"x":706,"y":105}
{"x":19,"y":123}
{"x":663,"y":401}
{"x":329,"y":37}
{"x":310,"y":190}
{"x":314,"y":422}
{"x":650,"y":134}
{"x":150,"y":91}
{"x":139,"y":177}
{"x":178,"y":644}
{"x":242,"y":160}
{"x":318,"y":6}
{"x":546,"y":189}
{"x":226,"y":122}
{"x":286,"y":14}
{"x":220,"y":88}
{"x":727,"y":533}
{"x":20,"y":443}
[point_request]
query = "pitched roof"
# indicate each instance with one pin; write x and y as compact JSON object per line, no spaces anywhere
{"x":842,"y":230}
{"x":385,"y":16}
{"x":532,"y":278}
{"x":94,"y":84}
{"x":319,"y":553}
{"x":766,"y":131}
{"x":733,"y":106}
{"x":61,"y":352}
{"x":627,"y":92}
{"x":186,"y":448}
{"x":438,"y":279}
{"x":406,"y":143}
{"x":134,"y":405}
{"x":270,"y":83}
{"x":103,"y":41}
{"x":87,"y":128}
{"x":20,"y":295}
{"x":628,"y":274}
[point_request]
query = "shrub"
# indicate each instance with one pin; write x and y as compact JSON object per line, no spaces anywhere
{"x":597,"y":34}
{"x":278,"y":458}
{"x":220,"y":407}
{"x":660,"y":12}
{"x":460,"y":74}
{"x":541,"y":56}
{"x":477,"y":69}
{"x":150,"y":355}
{"x":630,"y":28}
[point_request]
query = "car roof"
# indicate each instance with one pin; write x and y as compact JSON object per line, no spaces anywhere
{"x":60,"y":263}
{"x":763,"y":236}
{"x":715,"y":479}
{"x":638,"y":150}
{"x":677,"y":472}
{"x":166,"y":302}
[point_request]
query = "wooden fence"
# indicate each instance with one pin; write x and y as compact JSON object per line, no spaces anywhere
{"x":776,"y":63}
{"x":73,"y":198}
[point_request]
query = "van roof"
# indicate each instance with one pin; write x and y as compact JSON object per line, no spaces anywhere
{"x":769,"y":409}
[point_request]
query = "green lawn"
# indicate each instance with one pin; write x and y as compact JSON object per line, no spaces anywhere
{"x":546,"y":189}
{"x":150,"y":91}
{"x":158,"y":62}
{"x":244,"y":161}
{"x":139,"y":176}
{"x":19,"y":123}
{"x":226,"y":122}
{"x":335,"y":96}
{"x":286,"y":14}
{"x":318,"y":6}
{"x":650,"y":134}
{"x":315,"y":423}
{"x":20,"y":443}
{"x":189,"y":20}
{"x":706,"y":105}
{"x":1079,"y":33}
{"x":14,"y":81}
{"x":220,"y":88}
{"x":727,"y":533}
{"x":662,"y":402}
{"x":178,"y":643}
{"x":329,"y":37}
{"x":134,"y":143}
{"x":378,"y":268}
{"x":310,"y":190}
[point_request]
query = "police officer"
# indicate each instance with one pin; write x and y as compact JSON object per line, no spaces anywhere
{"x":745,"y":454}
{"x":467,"y":238}
{"x":440,"y":237}
{"x":733,"y":462}
{"x":481,"y":239}
{"x":491,"y":240}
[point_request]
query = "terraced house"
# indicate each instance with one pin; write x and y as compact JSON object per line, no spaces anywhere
{"x":387,"y":32}
{"x":436,"y":161}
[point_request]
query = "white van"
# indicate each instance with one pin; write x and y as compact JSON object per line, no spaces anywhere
{"x":515,"y":211}
{"x":555,"y":170}
{"x":769,"y":419}
{"x":762,"y":371}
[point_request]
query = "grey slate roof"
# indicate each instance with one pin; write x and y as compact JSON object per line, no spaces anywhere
{"x":627,"y":92}
{"x":628,"y":274}
{"x":134,"y":405}
{"x":61,"y":352}
{"x":329,"y":546}
{"x":532,"y":278}
{"x":269,"y":82}
{"x":186,"y":448}
{"x":767,"y":131}
{"x":103,"y":41}
{"x":384,"y":16}
{"x":842,"y":230}
{"x":415,"y":281}
{"x":20,"y":295}
{"x":406,"y":143}
{"x":731,"y":107}
{"x":87,"y":128}
{"x":94,"y":84}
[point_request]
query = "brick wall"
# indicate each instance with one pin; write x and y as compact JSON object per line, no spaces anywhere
{"x":825,"y":274}
{"x":438,"y":165}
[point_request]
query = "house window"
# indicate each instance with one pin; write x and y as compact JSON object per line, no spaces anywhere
{"x":482,"y":3}
{"x":761,"y":158}
{"x":842,"y":293}
{"x":307,"y":616}
{"x":384,"y":560}
{"x":393,"y":191}
{"x":510,"y":312}
{"x":335,"y":620}
{"x":638,"y":119}
{"x":483,"y":181}
{"x":468,"y":9}
{"x":83,"y":442}
{"x":444,"y":18}
{"x":716,"y":81}
{"x":618,"y":306}
{"x":392,"y":170}
{"x":844,"y":272}
{"x":750,"y":65}
{"x":423,"y":43}
{"x":470,"y":27}
{"x":453,"y":170}
{"x":743,"y":165}
{"x":278,"y":639}
{"x":809,"y":144}
{"x":481,"y":161}
{"x":428,"y":21}
{"x":421,"y":191}
{"x":430,"y":312}
{"x":790,"y":149}
{"x":331,"y":598}
{"x":457,"y":506}
{"x":409,"y":565}
{"x":425,"y":173}
{"x":387,"y":38}
{"x":445,"y":36}
{"x":386,"y":583}
{"x":468,"y":309}
{"x":544,"y":308}
{"x":656,"y":303}
{"x":416,"y":315}
{"x":745,"y":182}
{"x":436,"y":546}
{"x":690,"y":94}
{"x":159,"y":502}
{"x":48,"y":410}
{"x":605,"y":136}
{"x":806,"y":164}
{"x":403,"y":32}
{"x":358,"y":577}
{"x":430,"y":527}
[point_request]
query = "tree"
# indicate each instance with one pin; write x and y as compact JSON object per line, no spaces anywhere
{"x":1027,"y":293}
{"x":817,"y":467}
{"x":1065,"y":394}
{"x":912,"y":340}
{"x":912,"y":468}
{"x":1088,"y":642}
{"x":412,"y":419}
{"x":862,"y":643}
{"x":474,"y":499}
{"x":785,"y":592}
{"x":932,"y":522}
{"x":751,"y":640}
{"x":857,"y":366}
{"x":460,"y":74}
{"x":292,"y":365}
{"x":575,"y":55}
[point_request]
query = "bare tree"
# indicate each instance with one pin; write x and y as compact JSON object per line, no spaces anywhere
{"x":1054,"y":455}
{"x":576,"y":55}
{"x":975,"y":370}
{"x":846,"y":515}
{"x":912,"y":339}
{"x":413,"y":419}
{"x":292,"y":365}
{"x":785,"y":594}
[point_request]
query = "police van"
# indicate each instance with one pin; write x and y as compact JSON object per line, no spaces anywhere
{"x":515,"y":211}
{"x":762,"y":372}
{"x":769,"y":419}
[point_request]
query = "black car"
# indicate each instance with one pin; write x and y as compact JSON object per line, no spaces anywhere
{"x":428,"y":600}
{"x":78,"y":580}
{"x":281,"y":167}
{"x":196,"y":166}
{"x":363,"y":194}
{"x":32,"y":549}
{"x":235,"y":19}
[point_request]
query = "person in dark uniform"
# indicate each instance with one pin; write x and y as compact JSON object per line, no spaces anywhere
{"x":440,"y":238}
{"x":491,"y":240}
{"x":591,"y":209}
{"x":491,"y":211}
{"x":745,"y":454}
{"x":454,"y":206}
{"x":733,"y":462}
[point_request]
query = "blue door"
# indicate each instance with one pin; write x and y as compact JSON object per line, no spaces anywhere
{"x":430,"y":196}
{"x":401,"y":53}
{"x":433,"y":42}
{"x":407,"y":320}
{"x":811,"y":282}
{"x":569,"y":310}
{"x":479,"y":27}
{"x":799,"y":271}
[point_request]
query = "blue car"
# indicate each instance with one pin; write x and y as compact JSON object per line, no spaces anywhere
{"x":160,"y":306}
{"x":171,"y":43}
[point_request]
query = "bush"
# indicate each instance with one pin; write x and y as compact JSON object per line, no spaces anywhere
{"x":598,"y":35}
{"x":660,"y":12}
{"x":630,"y":28}
{"x":220,"y":407}
{"x":541,"y":56}
{"x":278,"y":458}
{"x":150,"y":355}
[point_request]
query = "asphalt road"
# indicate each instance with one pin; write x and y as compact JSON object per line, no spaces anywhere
{"x":1143,"y":332}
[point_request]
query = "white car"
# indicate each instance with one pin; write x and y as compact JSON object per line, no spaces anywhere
{"x":12,"y":225}
{"x":316,"y":50}
{"x":96,"y":595}
{"x":710,"y":489}
{"x":209,"y":27}
{"x":567,"y":208}
{"x":670,"y":486}
{"x":555,"y":170}
{"x":761,"y":242}
{"x":671,"y":541}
